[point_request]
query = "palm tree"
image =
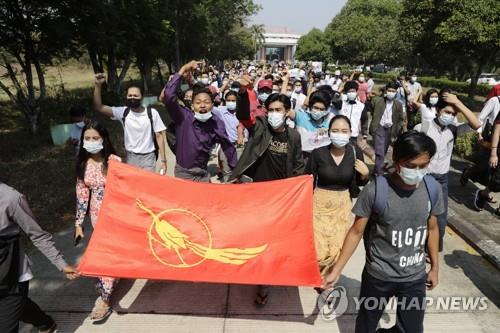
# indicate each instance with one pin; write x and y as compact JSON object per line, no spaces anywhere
{"x":257,"y":31}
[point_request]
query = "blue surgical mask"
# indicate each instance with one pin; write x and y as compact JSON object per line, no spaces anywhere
{"x":275,"y":119}
{"x":263,"y":97}
{"x":203,"y":117}
{"x":231,"y":106}
{"x":339,"y":140}
{"x":204,"y":80}
{"x":318,"y":114}
{"x":412,"y":176}
{"x":446,"y":119}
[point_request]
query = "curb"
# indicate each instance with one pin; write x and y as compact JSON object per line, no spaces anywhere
{"x":483,"y":244}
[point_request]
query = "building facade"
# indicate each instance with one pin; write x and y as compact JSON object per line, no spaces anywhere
{"x":279,"y":44}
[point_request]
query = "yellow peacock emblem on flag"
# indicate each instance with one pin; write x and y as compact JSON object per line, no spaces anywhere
{"x":163,"y":235}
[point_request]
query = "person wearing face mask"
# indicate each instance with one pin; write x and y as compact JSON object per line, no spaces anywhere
{"x":77,"y":115}
{"x":272,"y":152}
{"x":336,"y":81}
{"x":91,"y":168}
{"x":442,"y":130}
{"x":352,"y":108}
{"x":227,"y":113}
{"x":387,"y":121}
{"x":338,"y":169}
{"x":396,"y":238}
{"x":427,"y":109}
{"x":362,"y":86}
{"x":415,"y":89}
{"x":143,"y":129}
{"x":197,"y":129}
{"x":312,"y":123}
{"x":204,"y":79}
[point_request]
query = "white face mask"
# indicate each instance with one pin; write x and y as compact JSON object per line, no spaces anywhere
{"x":413,"y":79}
{"x":275,"y":119}
{"x":390,"y":95}
{"x":361,"y":79}
{"x":351,"y":96}
{"x":339,"y":140}
{"x":231,"y":105}
{"x":298,"y":90}
{"x":92,"y":147}
{"x":203,"y":117}
{"x":318,"y":114}
{"x":289,"y":93}
{"x":412,"y":176}
{"x":204,"y":80}
{"x":80,"y":124}
{"x":263,"y":96}
{"x":433,"y":100}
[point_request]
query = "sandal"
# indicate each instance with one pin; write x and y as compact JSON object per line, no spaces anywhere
{"x":101,"y":311}
{"x":261,"y":300}
{"x":464,"y":178}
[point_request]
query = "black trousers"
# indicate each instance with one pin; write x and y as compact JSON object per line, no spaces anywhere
{"x":409,"y":315}
{"x":18,"y":307}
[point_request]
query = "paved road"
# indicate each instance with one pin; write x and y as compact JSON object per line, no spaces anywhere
{"x":165,"y":306}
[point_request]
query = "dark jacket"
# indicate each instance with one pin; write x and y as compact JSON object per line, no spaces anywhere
{"x":377,"y":105}
{"x":260,"y":138}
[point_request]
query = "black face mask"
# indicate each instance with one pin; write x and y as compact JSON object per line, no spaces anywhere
{"x":133,"y":102}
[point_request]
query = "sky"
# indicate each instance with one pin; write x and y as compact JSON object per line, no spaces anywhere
{"x":299,"y":16}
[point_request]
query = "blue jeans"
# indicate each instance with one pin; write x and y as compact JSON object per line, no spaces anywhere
{"x":442,"y":179}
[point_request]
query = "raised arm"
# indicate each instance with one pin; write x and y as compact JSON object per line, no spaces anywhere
{"x":100,"y":78}
{"x":460,"y":107}
{"x":170,"y":98}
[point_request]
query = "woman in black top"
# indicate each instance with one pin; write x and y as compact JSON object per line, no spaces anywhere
{"x":338,"y":169}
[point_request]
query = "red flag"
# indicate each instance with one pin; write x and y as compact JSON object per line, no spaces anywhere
{"x":158,"y":227}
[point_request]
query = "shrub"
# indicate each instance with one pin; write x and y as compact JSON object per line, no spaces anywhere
{"x":467,"y":146}
{"x":438,"y":83}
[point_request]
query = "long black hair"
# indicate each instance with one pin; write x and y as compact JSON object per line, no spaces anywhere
{"x":83,"y":155}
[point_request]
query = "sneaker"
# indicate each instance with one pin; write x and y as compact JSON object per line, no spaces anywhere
{"x":479,"y":201}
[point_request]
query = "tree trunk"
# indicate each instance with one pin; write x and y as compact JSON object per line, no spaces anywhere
{"x":122,"y":75}
{"x":95,"y":60}
{"x":160,"y":74}
{"x":41,"y":79}
{"x":473,"y":82}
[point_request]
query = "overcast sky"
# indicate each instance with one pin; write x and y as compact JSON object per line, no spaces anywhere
{"x":300,"y":16}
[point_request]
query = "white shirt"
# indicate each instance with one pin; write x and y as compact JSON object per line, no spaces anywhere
{"x":444,"y":139}
{"x":353,"y":112}
{"x":490,"y":111}
{"x":386,"y":119}
{"x":370,"y":84}
{"x":299,"y":100}
{"x":414,"y":88}
{"x":427,"y":114}
{"x":137,"y":131}
{"x":335,"y":83}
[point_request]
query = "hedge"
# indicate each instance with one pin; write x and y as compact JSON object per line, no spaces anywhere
{"x":429,"y":81}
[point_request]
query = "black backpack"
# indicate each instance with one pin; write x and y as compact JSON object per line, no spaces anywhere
{"x":150,"y":116}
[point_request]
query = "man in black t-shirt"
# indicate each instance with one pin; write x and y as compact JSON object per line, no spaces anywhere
{"x":272,"y":152}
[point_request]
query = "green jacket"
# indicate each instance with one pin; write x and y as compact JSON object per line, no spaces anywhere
{"x":377,"y":106}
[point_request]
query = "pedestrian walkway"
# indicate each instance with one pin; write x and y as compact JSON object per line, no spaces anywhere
{"x":169,"y":306}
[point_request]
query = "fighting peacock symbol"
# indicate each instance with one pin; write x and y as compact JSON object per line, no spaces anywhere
{"x":175,"y":240}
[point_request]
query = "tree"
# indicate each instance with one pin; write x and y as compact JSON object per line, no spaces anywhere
{"x":33,"y":33}
{"x":313,"y":47}
{"x":367,"y":31}
{"x":458,"y":36}
{"x":257,"y":31}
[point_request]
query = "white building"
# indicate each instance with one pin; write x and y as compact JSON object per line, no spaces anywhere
{"x":279,"y":44}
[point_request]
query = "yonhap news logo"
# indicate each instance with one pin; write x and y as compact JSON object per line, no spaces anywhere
{"x":332,"y":303}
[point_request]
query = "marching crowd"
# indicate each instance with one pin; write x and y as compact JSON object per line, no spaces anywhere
{"x":274,"y":121}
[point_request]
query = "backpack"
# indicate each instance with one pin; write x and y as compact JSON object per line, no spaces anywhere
{"x":382,"y":190}
{"x":150,"y":116}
